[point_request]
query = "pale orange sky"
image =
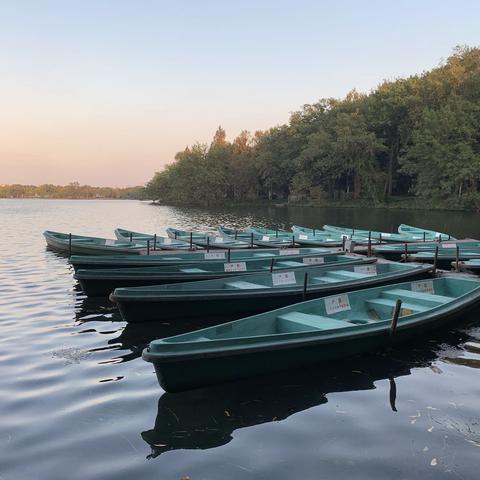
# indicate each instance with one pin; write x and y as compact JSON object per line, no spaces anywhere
{"x":101,"y":145}
{"x":105,"y":93}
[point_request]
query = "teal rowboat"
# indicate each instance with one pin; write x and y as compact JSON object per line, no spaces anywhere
{"x":236,"y":233}
{"x":269,"y":238}
{"x":157,"y":259}
{"x":316,"y":237}
{"x":68,"y":243}
{"x":429,"y":234}
{"x":380,"y":236}
{"x":469,"y":266}
{"x":309,"y":332}
{"x":445,"y":256}
{"x":395,"y":252}
{"x":156,"y":241}
{"x":269,"y":232}
{"x":206,"y":240}
{"x":175,"y":233}
{"x":98,"y":282}
{"x":260,"y":292}
{"x":318,"y":233}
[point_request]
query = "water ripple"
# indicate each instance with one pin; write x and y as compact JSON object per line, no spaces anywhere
{"x":78,"y":402}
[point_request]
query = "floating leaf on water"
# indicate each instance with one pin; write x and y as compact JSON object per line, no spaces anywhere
{"x":473,"y":442}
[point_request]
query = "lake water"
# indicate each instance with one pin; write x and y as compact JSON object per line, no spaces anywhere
{"x":78,"y":402}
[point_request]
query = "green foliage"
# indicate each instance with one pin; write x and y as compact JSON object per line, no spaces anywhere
{"x":417,"y":136}
{"x":444,"y":157}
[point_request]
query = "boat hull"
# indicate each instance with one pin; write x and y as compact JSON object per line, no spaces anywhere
{"x":382,"y":237}
{"x":443,"y":261}
{"x":230,"y":306}
{"x":183,"y":258}
{"x":198,"y":371}
{"x":157,"y":242}
{"x":64,"y":247}
{"x":98,"y":282}
{"x":432,"y":234}
{"x":468,"y":266}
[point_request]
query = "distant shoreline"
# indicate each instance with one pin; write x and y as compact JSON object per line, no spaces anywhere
{"x":72,"y":191}
{"x":399,"y":204}
{"x":66,"y":198}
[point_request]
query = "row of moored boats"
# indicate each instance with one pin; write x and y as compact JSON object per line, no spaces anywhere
{"x":279,"y":299}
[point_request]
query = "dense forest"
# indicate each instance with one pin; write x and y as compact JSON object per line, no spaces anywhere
{"x":73,"y":190}
{"x":416,"y":138}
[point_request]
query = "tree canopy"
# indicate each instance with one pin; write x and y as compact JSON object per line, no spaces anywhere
{"x":417,"y":137}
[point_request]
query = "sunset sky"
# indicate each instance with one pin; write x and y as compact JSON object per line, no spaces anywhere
{"x":106,"y":92}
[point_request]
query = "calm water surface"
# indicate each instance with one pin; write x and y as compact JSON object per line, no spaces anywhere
{"x":78,"y":402}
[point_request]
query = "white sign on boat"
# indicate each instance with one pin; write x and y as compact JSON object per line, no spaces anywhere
{"x":313,"y":260}
{"x":290,"y":251}
{"x":235,"y":267}
{"x":283,"y":278}
{"x":215,"y":256}
{"x":423,"y":286}
{"x":367,"y":269}
{"x":337,"y":303}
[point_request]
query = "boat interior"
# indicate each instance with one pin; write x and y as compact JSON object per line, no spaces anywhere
{"x":364,"y":308}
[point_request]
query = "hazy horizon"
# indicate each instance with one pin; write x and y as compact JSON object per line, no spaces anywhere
{"x":105,"y":93}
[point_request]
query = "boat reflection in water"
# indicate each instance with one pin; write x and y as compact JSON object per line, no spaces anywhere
{"x":207,"y":417}
{"x":133,"y":337}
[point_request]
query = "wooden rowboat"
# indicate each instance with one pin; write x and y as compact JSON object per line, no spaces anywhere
{"x":83,"y":245}
{"x":243,"y":295}
{"x":310,"y":332}
{"x":98,"y":282}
